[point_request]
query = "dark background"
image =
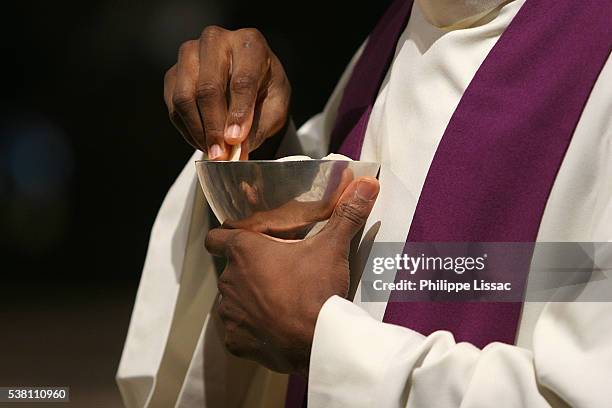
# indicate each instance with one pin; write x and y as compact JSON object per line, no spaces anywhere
{"x":87,"y":154}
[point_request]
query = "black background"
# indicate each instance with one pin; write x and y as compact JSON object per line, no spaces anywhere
{"x":87,"y":154}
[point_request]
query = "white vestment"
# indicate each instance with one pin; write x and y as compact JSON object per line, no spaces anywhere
{"x":173,"y":354}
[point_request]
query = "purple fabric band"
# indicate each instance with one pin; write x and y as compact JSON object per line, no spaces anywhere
{"x":354,"y":111}
{"x":497,"y":161}
{"x":365,"y":81}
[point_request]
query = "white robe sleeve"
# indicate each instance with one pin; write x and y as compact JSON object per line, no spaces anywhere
{"x":358,"y":361}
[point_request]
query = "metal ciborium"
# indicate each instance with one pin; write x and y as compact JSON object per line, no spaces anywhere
{"x":286,"y":199}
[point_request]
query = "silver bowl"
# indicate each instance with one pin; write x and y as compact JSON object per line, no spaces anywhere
{"x":286,"y":199}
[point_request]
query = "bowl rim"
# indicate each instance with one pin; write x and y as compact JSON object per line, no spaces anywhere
{"x":285,"y":161}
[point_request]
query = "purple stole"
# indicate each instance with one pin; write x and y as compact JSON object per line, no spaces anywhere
{"x":498,"y":158}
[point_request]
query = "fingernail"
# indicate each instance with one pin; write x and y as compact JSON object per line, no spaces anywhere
{"x":366,"y":190}
{"x":232,"y":133}
{"x":214,"y":151}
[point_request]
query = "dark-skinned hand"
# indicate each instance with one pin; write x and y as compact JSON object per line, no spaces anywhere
{"x":272,"y":290}
{"x":227,"y":88}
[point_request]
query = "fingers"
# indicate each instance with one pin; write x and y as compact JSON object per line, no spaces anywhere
{"x":229,"y":243}
{"x":218,"y":240}
{"x":237,"y":338}
{"x":346,"y":177}
{"x":211,"y":88}
{"x":226,"y":89}
{"x":183,"y":96}
{"x":352,"y":210}
{"x":268,"y":119}
{"x":272,"y":115}
{"x":169,"y":85}
{"x":253,"y":223}
{"x":250,"y":65}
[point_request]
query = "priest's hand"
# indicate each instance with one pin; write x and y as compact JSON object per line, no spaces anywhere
{"x":227,"y":88}
{"x":272,"y":290}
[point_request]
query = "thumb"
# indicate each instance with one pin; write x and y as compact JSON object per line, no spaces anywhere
{"x":352,"y":209}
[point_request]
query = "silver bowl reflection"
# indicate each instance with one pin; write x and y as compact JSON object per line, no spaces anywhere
{"x":286,"y":199}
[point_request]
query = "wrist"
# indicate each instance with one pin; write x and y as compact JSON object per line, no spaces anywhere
{"x":308,"y":331}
